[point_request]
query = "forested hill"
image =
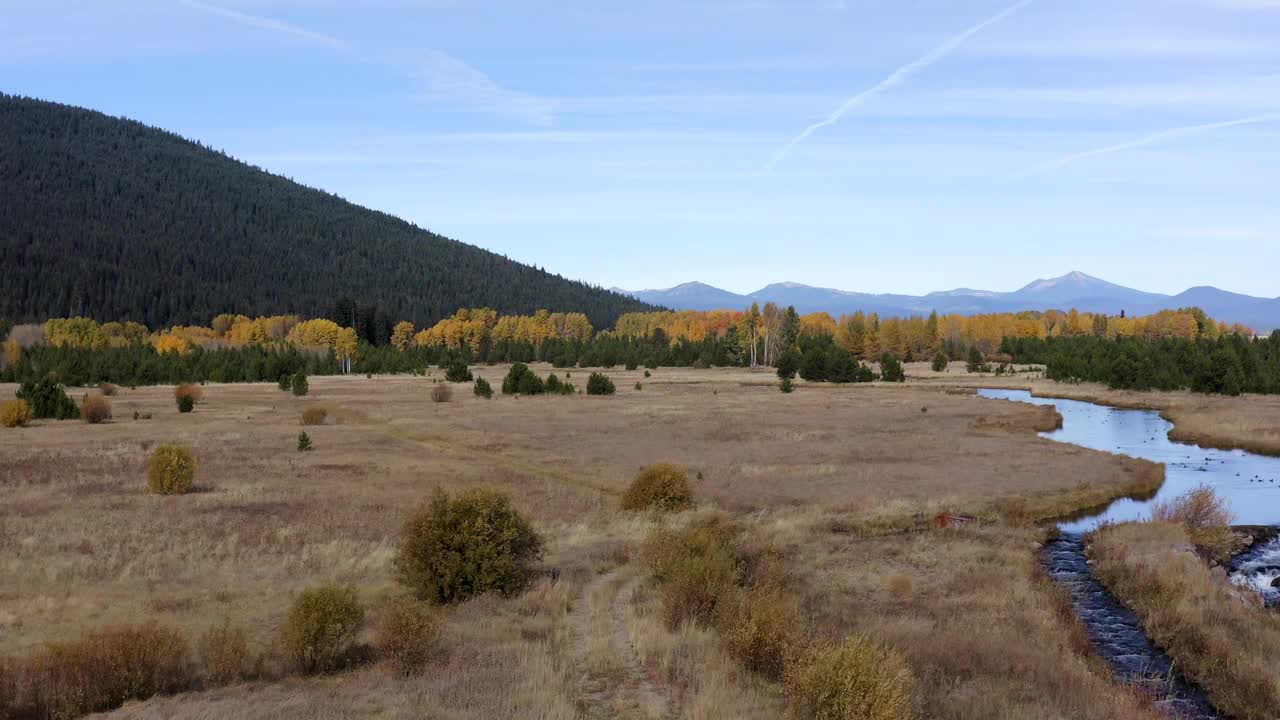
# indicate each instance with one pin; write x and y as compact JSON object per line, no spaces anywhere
{"x":111,"y":219}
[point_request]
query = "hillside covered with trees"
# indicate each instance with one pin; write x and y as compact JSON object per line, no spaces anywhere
{"x":111,"y":219}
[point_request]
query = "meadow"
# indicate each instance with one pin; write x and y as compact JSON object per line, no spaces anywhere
{"x":840,"y":486}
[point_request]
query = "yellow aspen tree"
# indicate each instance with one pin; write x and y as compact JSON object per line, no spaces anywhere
{"x":402,"y":335}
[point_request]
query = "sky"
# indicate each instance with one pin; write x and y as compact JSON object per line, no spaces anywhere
{"x":870,"y":145}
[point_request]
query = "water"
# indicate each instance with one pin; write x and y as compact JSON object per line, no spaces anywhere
{"x":1249,"y":483}
{"x":1117,"y":636}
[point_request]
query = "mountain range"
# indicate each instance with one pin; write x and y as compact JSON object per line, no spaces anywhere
{"x":1073,"y":290}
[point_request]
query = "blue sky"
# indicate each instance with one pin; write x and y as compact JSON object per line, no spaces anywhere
{"x":643,"y":144}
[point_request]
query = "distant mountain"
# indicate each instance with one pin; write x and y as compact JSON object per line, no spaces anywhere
{"x":1073,"y":290}
{"x":110,"y":218}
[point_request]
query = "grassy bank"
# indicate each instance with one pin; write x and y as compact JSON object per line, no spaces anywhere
{"x":1218,"y":635}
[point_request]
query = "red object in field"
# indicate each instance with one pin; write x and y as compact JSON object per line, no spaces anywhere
{"x":945,"y":521}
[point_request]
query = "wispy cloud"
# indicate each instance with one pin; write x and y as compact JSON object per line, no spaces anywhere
{"x":1109,"y":43}
{"x":897,"y":77}
{"x":443,"y":77}
{"x":1155,"y":138}
{"x":266,"y":23}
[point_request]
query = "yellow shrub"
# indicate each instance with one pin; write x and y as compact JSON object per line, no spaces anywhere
{"x":172,"y":470}
{"x":695,"y":568}
{"x":856,"y":680}
{"x":191,"y":390}
{"x":663,"y":487}
{"x":314,"y":416}
{"x":1206,"y":519}
{"x":408,"y":636}
{"x":759,"y":627}
{"x":109,"y":389}
{"x":322,"y":627}
{"x":224,"y":652}
{"x":95,"y":409}
{"x":15,"y":413}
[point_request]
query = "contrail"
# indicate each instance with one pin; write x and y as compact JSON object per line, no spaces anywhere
{"x":1155,"y":138}
{"x":267,"y":24}
{"x":897,"y":77}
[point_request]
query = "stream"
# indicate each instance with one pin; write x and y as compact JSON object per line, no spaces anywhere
{"x":1248,"y":483}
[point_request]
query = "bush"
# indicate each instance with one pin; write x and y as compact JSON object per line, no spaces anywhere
{"x":856,"y":680}
{"x":314,"y":416}
{"x":186,"y":404}
{"x":286,"y":382}
{"x":555,"y":386}
{"x":663,"y":487}
{"x":304,"y":442}
{"x":1206,"y":519}
{"x":441,"y":393}
{"x":224,"y":654}
{"x":191,"y":390}
{"x":891,"y":369}
{"x":48,"y":399}
{"x":100,"y":671}
{"x":299,"y":384}
{"x":976,"y":363}
{"x":95,"y":409}
{"x":172,"y":470}
{"x":600,"y":384}
{"x":483,"y":388}
{"x":639,"y":387}
{"x":759,"y":627}
{"x":321,"y":629}
{"x":695,"y":568}
{"x":108,"y":389}
{"x":520,"y":380}
{"x":454,"y":548}
{"x":457,"y":371}
{"x":646,"y":373}
{"x":786,"y":386}
{"x":940,"y":362}
{"x":408,"y":636}
{"x":15,"y":413}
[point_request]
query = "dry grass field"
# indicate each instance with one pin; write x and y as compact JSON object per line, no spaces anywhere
{"x":841,"y":482}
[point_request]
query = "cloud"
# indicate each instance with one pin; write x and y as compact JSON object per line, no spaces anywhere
{"x":266,"y":23}
{"x":444,"y":78}
{"x":897,"y":77}
{"x":1154,"y":138}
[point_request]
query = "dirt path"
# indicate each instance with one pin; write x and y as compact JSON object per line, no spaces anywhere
{"x":615,"y":683}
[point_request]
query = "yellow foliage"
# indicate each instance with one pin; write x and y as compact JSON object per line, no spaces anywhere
{"x":857,"y":680}
{"x":165,"y":343}
{"x":15,"y":413}
{"x":12,"y":353}
{"x":402,"y":335}
{"x":172,"y":470}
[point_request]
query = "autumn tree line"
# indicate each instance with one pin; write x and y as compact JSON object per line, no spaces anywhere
{"x":355,"y":338}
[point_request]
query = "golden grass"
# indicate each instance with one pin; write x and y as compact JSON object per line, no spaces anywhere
{"x":845,"y":481}
{"x":1217,"y":635}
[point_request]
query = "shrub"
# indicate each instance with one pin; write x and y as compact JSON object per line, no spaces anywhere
{"x":299,"y":384}
{"x":48,"y":399}
{"x":172,"y":470}
{"x":646,"y":373}
{"x":191,"y":390}
{"x":321,"y":628}
{"x":555,"y":386}
{"x":759,"y":627}
{"x":600,"y":384}
{"x":101,"y":671}
{"x":224,"y":654}
{"x":695,"y":568}
{"x":108,"y":389}
{"x":891,"y":369}
{"x":457,"y":371}
{"x":286,"y":382}
{"x":940,"y":362}
{"x":186,"y":404}
{"x":15,"y":413}
{"x":454,"y":548}
{"x":314,"y":416}
{"x":408,"y":636}
{"x":520,"y":380}
{"x":976,"y":363}
{"x":441,"y":393}
{"x":856,"y":680}
{"x":483,"y":388}
{"x":1206,"y":519}
{"x":639,"y":387}
{"x":663,"y":487}
{"x":304,"y":442}
{"x":786,"y":386}
{"x":95,"y":409}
